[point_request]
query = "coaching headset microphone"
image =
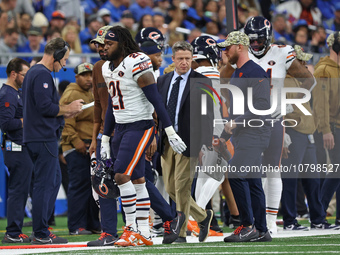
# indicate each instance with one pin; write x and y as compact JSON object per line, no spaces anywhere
{"x":63,"y":67}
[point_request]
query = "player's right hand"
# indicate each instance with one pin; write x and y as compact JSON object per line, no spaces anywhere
{"x":105,"y":148}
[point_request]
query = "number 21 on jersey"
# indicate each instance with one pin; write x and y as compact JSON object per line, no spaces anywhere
{"x":115,"y":91}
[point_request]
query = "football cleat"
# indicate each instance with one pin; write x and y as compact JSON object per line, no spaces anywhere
{"x":242,"y":234}
{"x":144,"y":241}
{"x":295,"y":226}
{"x":105,"y":239}
{"x":128,"y":238}
{"x":22,"y":238}
{"x":193,"y":227}
{"x":324,"y":225}
{"x":172,"y":228}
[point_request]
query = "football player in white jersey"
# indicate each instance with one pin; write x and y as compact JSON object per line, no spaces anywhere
{"x":206,"y":55}
{"x":128,"y":74}
{"x":277,"y":61}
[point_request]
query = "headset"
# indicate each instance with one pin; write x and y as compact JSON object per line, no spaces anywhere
{"x":59,"y":54}
{"x":336,"y":44}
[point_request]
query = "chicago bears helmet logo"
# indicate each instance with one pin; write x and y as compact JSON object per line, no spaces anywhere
{"x":210,"y":42}
{"x":100,"y":32}
{"x":87,"y":67}
{"x":154,"y":35}
{"x":266,"y":23}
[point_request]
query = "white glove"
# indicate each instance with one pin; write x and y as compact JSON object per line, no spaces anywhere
{"x":105,"y":148}
{"x":286,"y":140}
{"x":175,"y":141}
{"x":277,"y":114}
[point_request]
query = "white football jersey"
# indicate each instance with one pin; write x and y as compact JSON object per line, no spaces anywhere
{"x":275,"y":63}
{"x":212,"y":73}
{"x":128,"y":100}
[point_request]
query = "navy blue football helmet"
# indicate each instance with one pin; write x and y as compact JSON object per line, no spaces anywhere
{"x":259,"y":29}
{"x":103,"y":181}
{"x":205,"y":47}
{"x":151,"y":34}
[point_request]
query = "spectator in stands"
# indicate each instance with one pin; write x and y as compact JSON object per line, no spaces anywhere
{"x":280,"y":29}
{"x":301,"y":37}
{"x":39,"y":20}
{"x":194,"y":34}
{"x":70,"y":8}
{"x":145,"y":21}
{"x":25,"y":25}
{"x":116,"y":9}
{"x":57,"y":20}
{"x":52,"y":33}
{"x":24,"y":6}
{"x":334,"y":22}
{"x":243,"y":14}
{"x":318,"y":41}
{"x":34,"y":44}
{"x":93,"y":25}
{"x":140,"y":8}
{"x":127,"y":21}
{"x":302,"y":9}
{"x":105,"y":15}
{"x":161,"y":7}
{"x":159,"y":23}
{"x":8,"y":44}
{"x":70,"y":35}
{"x":212,"y":28}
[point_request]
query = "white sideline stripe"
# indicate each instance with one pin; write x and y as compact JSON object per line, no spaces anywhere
{"x":158,"y":240}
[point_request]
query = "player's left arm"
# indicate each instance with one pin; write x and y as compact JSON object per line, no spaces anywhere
{"x":147,"y":83}
{"x":300,"y":72}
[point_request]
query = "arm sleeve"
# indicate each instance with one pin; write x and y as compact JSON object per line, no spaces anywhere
{"x":7,"y":114}
{"x":43,"y":90}
{"x":109,"y":124}
{"x":154,"y":97}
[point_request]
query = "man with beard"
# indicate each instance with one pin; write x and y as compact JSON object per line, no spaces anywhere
{"x":16,"y":155}
{"x":108,"y":206}
{"x":133,"y":95}
{"x":249,"y":141}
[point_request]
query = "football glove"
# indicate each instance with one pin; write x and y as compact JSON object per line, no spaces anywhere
{"x":277,"y":114}
{"x":175,"y":141}
{"x":105,"y":148}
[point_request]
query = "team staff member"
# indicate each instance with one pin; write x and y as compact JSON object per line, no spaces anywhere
{"x":182,"y":96}
{"x":327,"y":116}
{"x":108,"y":207}
{"x":16,"y":155}
{"x":76,"y":136}
{"x":249,"y":142}
{"x":43,"y":119}
{"x":302,"y":150}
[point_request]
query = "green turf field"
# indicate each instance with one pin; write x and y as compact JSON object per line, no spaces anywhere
{"x":327,"y":244}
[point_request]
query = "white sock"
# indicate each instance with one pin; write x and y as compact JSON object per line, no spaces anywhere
{"x":128,"y":197}
{"x":142,"y":209}
{"x":273,"y":192}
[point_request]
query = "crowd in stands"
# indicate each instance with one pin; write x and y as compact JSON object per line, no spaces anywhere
{"x":26,"y":26}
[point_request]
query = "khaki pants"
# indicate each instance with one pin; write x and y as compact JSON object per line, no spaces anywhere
{"x":177,"y":182}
